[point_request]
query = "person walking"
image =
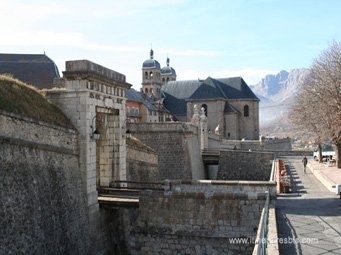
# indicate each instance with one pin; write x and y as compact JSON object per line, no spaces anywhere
{"x":305,"y":162}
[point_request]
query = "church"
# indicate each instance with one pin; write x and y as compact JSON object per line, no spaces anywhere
{"x":231,"y":107}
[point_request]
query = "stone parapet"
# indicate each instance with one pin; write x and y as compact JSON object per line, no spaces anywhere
{"x":87,"y":69}
{"x":233,"y":189}
{"x":19,"y":129}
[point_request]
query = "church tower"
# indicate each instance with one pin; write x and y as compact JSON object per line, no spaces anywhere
{"x":168,"y":73}
{"x":151,"y":77}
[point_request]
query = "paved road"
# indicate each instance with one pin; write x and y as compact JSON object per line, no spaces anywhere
{"x":309,"y":215}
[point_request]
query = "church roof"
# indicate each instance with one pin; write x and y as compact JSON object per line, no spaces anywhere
{"x":151,"y":63}
{"x":177,"y":93}
{"x":35,"y":69}
{"x":167,"y":70}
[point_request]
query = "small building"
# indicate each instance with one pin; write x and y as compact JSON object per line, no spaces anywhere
{"x":34,"y":69}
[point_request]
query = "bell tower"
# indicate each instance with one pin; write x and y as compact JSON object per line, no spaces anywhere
{"x":151,"y":77}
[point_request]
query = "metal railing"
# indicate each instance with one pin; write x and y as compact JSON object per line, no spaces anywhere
{"x":261,"y":243}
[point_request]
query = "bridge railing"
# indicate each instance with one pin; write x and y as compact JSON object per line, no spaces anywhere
{"x":266,"y":239}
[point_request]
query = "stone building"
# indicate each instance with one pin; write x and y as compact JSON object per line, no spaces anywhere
{"x":34,"y":69}
{"x":231,"y":107}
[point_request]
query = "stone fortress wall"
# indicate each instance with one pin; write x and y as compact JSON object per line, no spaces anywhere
{"x":198,"y":217}
{"x":142,"y":162}
{"x":43,"y":198}
{"x":177,"y":146}
{"x":245,"y":165}
{"x":43,"y":205}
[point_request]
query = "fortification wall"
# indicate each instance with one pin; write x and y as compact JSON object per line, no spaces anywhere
{"x":177,"y":146}
{"x":43,"y":200}
{"x":283,"y":144}
{"x":245,"y":165}
{"x":196,"y":220}
{"x":142,"y":162}
{"x":43,"y":207}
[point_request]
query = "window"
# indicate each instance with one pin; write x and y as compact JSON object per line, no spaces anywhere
{"x":151,"y":74}
{"x":146,"y":90}
{"x":246,"y":111}
{"x":145,"y":75}
{"x":205,"y":107}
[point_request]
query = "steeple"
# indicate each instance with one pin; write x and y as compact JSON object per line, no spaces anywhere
{"x":168,"y":73}
{"x":151,"y":54}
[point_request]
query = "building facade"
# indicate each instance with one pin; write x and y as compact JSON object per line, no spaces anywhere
{"x":231,"y":107}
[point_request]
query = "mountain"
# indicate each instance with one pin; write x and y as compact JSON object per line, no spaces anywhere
{"x":277,"y":93}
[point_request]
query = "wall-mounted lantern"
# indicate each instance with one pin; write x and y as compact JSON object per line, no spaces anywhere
{"x":95,"y":134}
{"x":124,"y":127}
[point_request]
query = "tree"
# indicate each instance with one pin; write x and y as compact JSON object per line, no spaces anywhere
{"x":318,"y":104}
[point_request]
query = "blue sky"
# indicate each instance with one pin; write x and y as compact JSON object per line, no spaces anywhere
{"x":248,"y":38}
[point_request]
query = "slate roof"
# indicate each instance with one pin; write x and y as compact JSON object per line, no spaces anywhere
{"x":177,"y":93}
{"x":168,"y":70}
{"x":35,"y":69}
{"x":151,"y":63}
{"x":133,"y":95}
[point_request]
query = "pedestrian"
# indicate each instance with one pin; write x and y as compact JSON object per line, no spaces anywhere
{"x":305,"y":162}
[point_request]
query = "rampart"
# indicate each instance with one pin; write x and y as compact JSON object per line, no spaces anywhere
{"x":142,"y":162}
{"x":43,"y":206}
{"x":245,"y":165}
{"x":177,"y":146}
{"x":43,"y":199}
{"x":199,"y":217}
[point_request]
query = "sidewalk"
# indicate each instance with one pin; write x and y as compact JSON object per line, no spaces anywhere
{"x":329,"y":176}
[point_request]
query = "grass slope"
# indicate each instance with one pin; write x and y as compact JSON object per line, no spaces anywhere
{"x":20,"y":98}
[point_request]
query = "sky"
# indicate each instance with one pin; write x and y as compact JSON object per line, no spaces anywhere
{"x":226,"y":38}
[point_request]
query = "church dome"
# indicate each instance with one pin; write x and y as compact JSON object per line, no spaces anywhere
{"x":151,"y":63}
{"x":167,"y":69}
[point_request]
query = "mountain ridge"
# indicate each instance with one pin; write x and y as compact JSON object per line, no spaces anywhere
{"x":277,"y":93}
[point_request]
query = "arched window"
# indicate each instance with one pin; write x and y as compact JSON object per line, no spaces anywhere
{"x":246,"y":111}
{"x":151,"y":74}
{"x":167,"y":79}
{"x":146,"y":90}
{"x":163,"y":79}
{"x":146,"y":75}
{"x":205,"y":107}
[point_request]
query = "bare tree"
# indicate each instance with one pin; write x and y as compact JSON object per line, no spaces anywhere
{"x":318,"y":104}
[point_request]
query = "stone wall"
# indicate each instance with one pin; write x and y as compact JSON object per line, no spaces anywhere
{"x":142,"y":162}
{"x":281,"y":144}
{"x":177,"y":146}
{"x":43,"y":198}
{"x":245,"y":165}
{"x":184,"y":221}
{"x":43,"y":205}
